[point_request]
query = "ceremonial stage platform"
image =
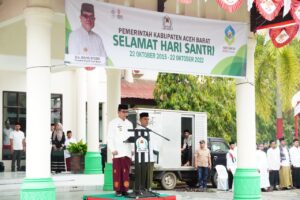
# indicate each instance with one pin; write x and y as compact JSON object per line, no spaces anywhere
{"x":112,"y":196}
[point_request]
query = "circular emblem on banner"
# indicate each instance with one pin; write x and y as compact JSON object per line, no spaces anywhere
{"x":282,"y":36}
{"x":269,"y":9}
{"x":230,"y":5}
{"x":141,"y":145}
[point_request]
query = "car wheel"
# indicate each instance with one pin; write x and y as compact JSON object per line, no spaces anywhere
{"x":168,"y":181}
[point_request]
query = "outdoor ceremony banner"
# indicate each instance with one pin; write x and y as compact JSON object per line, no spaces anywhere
{"x":113,"y":36}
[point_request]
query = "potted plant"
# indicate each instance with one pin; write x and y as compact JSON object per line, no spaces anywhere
{"x":77,"y":151}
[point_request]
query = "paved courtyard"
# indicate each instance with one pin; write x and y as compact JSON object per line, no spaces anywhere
{"x":181,"y":195}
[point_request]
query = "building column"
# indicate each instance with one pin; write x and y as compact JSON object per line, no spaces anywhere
{"x":93,"y":158}
{"x":38,"y":183}
{"x":81,"y":104}
{"x":113,"y":100}
{"x":246,"y":178}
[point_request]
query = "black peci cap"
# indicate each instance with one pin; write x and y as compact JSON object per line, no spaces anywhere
{"x":144,"y":114}
{"x":87,"y":7}
{"x":122,"y":107}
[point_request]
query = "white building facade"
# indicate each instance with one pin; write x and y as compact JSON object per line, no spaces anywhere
{"x":32,"y":74}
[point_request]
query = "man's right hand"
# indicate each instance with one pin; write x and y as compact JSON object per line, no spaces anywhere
{"x":114,"y":153}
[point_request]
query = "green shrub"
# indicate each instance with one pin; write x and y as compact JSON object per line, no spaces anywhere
{"x":78,"y":147}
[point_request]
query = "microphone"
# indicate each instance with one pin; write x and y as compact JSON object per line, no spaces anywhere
{"x":148,"y":129}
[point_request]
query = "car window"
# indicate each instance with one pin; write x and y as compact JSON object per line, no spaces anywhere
{"x":219,"y":147}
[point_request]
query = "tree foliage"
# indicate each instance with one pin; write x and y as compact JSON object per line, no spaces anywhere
{"x":215,"y":96}
{"x":275,"y":68}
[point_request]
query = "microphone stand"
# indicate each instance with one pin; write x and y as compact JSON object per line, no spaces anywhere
{"x":148,"y":129}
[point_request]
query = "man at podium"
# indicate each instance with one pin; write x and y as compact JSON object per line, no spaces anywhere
{"x":117,"y":134}
{"x":147,"y":169}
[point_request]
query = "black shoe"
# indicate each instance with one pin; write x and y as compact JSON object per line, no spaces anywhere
{"x":118,"y":194}
{"x":125,"y":193}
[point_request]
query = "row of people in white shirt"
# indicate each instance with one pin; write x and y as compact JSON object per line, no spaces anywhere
{"x":292,"y":157}
{"x":274,"y":160}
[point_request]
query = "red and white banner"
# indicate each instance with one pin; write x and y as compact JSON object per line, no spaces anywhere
{"x":230,"y":5}
{"x":282,"y":36}
{"x":269,"y":9}
{"x":185,"y":1}
{"x":295,"y":11}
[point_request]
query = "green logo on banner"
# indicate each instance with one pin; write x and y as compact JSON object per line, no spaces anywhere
{"x":229,"y":35}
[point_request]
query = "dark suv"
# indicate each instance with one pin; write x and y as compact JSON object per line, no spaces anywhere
{"x":218,"y":148}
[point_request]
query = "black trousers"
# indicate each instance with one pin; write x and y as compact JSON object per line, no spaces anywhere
{"x":16,"y":156}
{"x":230,"y":179}
{"x":146,"y":175}
{"x":187,"y":156}
{"x":274,"y":178}
{"x":296,"y":176}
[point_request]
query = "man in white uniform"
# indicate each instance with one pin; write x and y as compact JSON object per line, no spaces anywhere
{"x":17,"y":142}
{"x":262,"y":167}
{"x":117,"y":134}
{"x":67,"y":154}
{"x":295,"y":161}
{"x":285,"y":175}
{"x":231,"y":163}
{"x":147,"y":169}
{"x":83,"y":41}
{"x":273,"y":156}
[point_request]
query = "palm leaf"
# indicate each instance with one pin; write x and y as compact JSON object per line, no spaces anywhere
{"x":265,"y":58}
{"x":288,"y":75}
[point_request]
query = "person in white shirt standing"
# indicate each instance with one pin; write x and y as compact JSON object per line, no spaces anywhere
{"x":17,"y":142}
{"x":273,"y":156}
{"x":285,"y":176}
{"x":6,"y":134}
{"x":231,"y":163}
{"x":6,"y":141}
{"x":295,"y":161}
{"x":147,"y":168}
{"x":117,"y":134}
{"x":262,"y":167}
{"x":83,"y":41}
{"x":67,"y":154}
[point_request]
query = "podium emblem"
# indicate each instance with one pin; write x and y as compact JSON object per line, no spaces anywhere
{"x":141,"y":145}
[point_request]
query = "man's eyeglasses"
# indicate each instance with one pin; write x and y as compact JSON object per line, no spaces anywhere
{"x":90,"y":17}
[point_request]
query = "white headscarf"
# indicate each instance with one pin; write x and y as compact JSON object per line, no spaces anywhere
{"x":58,"y":132}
